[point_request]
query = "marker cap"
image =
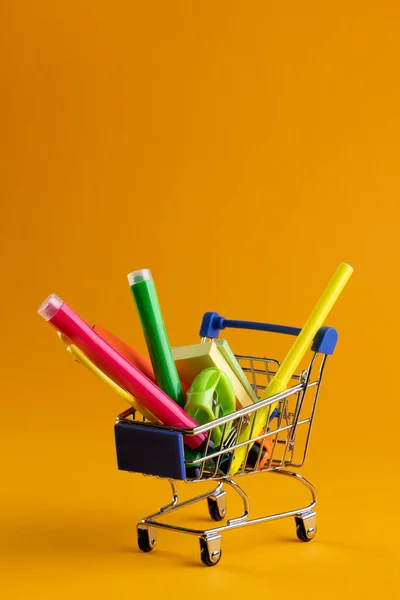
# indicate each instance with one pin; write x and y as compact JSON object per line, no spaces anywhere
{"x":140,"y":275}
{"x":50,"y":307}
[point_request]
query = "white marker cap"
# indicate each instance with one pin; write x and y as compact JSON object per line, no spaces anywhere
{"x":50,"y":307}
{"x":140,"y":275}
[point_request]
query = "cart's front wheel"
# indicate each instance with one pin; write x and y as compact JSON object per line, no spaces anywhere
{"x":210,"y":551}
{"x":306,"y":527}
{"x":146,"y":538}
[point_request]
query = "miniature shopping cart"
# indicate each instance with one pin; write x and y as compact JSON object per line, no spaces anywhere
{"x":159,"y":450}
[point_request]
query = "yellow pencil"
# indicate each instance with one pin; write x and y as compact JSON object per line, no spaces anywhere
{"x":292,"y":360}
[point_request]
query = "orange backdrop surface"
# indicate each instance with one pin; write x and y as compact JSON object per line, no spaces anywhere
{"x":240,"y":150}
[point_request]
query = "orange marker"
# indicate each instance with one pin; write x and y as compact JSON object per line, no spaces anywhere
{"x":266,"y":452}
{"x":133,"y":356}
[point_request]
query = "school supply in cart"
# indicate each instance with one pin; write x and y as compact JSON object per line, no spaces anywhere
{"x":257,"y":458}
{"x":192,"y":360}
{"x":224,"y":348}
{"x":292,"y":360}
{"x":133,"y":356}
{"x":146,"y":300}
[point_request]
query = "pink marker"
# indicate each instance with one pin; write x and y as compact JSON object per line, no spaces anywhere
{"x":63,"y":318}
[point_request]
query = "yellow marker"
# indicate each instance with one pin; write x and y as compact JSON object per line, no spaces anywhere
{"x":292,"y":360}
{"x":81,"y":357}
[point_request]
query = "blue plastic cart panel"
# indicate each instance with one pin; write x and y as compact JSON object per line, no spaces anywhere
{"x":151,"y":451}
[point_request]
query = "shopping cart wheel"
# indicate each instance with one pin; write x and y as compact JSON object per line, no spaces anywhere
{"x":210,"y":550}
{"x":306,"y":527}
{"x":217,"y":506}
{"x":146,"y":538}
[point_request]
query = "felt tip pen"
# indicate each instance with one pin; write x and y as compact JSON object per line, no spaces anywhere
{"x":145,"y":295}
{"x":292,"y":360}
{"x":65,"y":320}
{"x":133,"y":356}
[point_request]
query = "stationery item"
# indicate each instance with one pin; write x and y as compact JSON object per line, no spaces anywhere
{"x":65,"y":320}
{"x":82,"y":359}
{"x":134,"y":357}
{"x":210,"y":397}
{"x":145,"y":296}
{"x":191,"y":360}
{"x":230,"y":358}
{"x":292,"y":360}
{"x":267,"y":443}
{"x":266,"y":451}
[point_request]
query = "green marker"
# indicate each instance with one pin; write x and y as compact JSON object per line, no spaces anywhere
{"x":145,"y":296}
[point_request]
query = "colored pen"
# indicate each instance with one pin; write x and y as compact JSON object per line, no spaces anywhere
{"x":292,"y":360}
{"x":145,"y":296}
{"x":135,"y":358}
{"x":65,"y":320}
{"x":132,"y":355}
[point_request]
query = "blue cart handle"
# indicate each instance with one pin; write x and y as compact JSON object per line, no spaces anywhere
{"x":212,"y":323}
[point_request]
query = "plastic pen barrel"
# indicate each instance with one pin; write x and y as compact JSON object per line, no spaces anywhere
{"x":293,"y":358}
{"x":65,"y":320}
{"x":146,"y":300}
{"x":314,"y":322}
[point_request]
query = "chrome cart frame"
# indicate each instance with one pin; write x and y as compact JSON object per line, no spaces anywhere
{"x":288,"y":425}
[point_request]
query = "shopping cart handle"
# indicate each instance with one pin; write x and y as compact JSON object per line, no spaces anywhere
{"x":212,"y":323}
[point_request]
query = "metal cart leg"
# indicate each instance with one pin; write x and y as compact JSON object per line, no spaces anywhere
{"x":210,"y":546}
{"x":305,"y":519}
{"x":216,"y":496}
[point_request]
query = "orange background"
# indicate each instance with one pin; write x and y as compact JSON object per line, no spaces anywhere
{"x":240,"y":150}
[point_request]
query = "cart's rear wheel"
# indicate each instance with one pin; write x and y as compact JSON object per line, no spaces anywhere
{"x":306,"y":527}
{"x":146,"y":538}
{"x":217,"y":506}
{"x":210,"y":551}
